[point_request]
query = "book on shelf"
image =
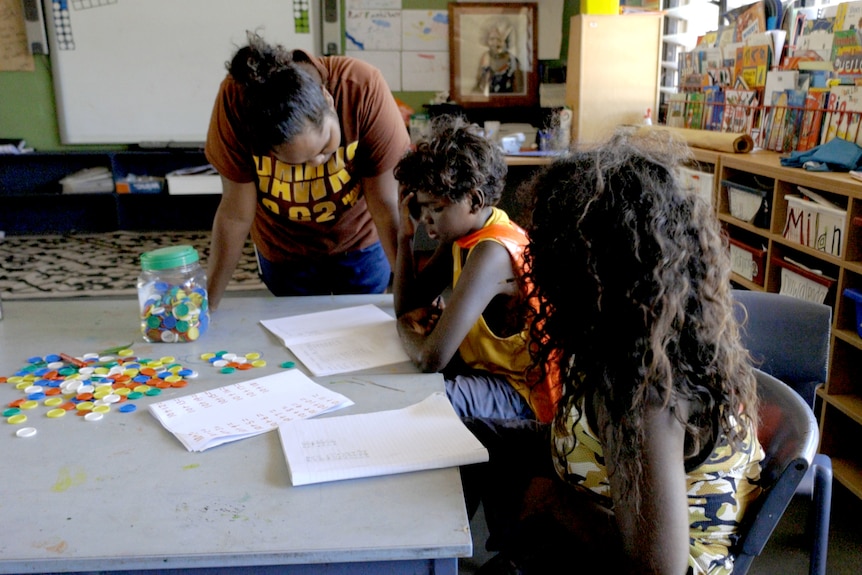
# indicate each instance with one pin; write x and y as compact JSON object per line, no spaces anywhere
{"x":755,"y":63}
{"x":694,"y":110}
{"x":848,"y":16}
{"x":774,"y":119}
{"x":676,"y":110}
{"x":714,"y":108}
{"x":847,"y":54}
{"x":784,"y":119}
{"x":750,"y":20}
{"x":812,"y":118}
{"x":739,"y":111}
{"x":816,"y":37}
{"x":792,"y":120}
{"x":844,"y":114}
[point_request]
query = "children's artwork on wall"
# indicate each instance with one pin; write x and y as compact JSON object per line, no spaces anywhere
{"x":428,"y":71}
{"x":373,"y":29}
{"x":425,"y":30}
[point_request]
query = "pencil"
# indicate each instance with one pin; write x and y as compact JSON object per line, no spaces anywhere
{"x":73,"y":360}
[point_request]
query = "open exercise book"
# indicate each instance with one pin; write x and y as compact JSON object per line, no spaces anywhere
{"x":245,"y":409}
{"x":425,"y":435}
{"x":340,"y":340}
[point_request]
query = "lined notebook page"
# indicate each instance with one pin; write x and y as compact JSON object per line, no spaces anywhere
{"x":426,"y":435}
{"x":216,"y":416}
{"x":341,"y":340}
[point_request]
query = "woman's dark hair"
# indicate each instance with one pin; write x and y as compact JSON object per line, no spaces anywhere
{"x":453,"y":159}
{"x":632,"y":276}
{"x":281,"y":98}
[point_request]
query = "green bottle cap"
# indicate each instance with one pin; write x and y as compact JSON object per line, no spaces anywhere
{"x":169,"y":257}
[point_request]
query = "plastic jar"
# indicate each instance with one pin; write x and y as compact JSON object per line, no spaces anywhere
{"x":172,"y":294}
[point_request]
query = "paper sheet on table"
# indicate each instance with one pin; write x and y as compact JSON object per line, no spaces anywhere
{"x":340,"y":340}
{"x":244,"y":409}
{"x":426,"y":435}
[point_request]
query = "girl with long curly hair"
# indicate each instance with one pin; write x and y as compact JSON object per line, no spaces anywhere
{"x":654,"y":454}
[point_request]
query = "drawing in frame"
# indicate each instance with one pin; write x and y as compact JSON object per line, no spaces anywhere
{"x":493,"y":59}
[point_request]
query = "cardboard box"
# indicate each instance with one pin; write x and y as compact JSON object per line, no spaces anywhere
{"x":747,"y":262}
{"x":699,"y":182}
{"x":804,"y":284}
{"x":140,"y":185}
{"x":750,"y":205}
{"x":815,"y":225}
{"x":194,"y":184}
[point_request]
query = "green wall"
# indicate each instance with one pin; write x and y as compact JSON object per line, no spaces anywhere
{"x":27,"y":107}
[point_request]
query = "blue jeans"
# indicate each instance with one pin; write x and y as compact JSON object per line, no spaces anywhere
{"x":485,"y":395}
{"x":362,"y":271}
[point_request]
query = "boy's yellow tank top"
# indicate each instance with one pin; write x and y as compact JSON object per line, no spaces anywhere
{"x":505,"y":356}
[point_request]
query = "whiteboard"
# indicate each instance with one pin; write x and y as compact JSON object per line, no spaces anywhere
{"x":147,"y":71}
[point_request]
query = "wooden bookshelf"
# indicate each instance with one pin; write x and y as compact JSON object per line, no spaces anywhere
{"x":840,"y":413}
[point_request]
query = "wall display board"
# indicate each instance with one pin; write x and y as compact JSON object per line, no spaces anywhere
{"x":147,"y":71}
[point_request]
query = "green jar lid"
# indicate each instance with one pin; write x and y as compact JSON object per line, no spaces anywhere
{"x":167,"y":258}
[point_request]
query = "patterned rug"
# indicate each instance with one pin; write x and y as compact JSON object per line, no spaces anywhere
{"x":89,"y":265}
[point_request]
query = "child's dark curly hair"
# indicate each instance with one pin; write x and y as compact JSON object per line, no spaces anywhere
{"x":633,"y":276}
{"x":453,"y":160}
{"x":280,"y":98}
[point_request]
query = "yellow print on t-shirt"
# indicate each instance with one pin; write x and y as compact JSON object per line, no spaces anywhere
{"x":306,"y":193}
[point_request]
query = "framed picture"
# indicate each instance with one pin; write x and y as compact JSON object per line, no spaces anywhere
{"x":493,"y":59}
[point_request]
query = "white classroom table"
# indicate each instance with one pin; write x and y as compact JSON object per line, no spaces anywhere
{"x":123,"y":494}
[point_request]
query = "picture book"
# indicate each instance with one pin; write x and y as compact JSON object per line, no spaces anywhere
{"x":812,"y":117}
{"x":775,"y":119}
{"x":709,"y":39}
{"x":738,"y":78}
{"x":689,"y":67}
{"x":676,"y":110}
{"x":817,"y":37}
{"x":755,"y":63}
{"x":829,"y":109}
{"x":846,"y":113}
{"x":713,"y":108}
{"x":711,"y":59}
{"x":792,"y":120}
{"x":726,"y":35}
{"x":848,"y":16}
{"x":694,"y":110}
{"x":739,"y":111}
{"x":751,"y":20}
{"x":847,"y":53}
{"x":778,"y":81}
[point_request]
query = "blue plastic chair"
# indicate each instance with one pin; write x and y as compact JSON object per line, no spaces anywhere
{"x":789,"y":435}
{"x":788,"y":338}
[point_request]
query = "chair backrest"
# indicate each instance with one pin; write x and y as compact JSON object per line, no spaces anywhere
{"x":789,"y":435}
{"x":787,"y":337}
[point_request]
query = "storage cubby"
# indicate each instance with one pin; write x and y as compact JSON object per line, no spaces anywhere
{"x":837,"y":256}
{"x":33,"y":201}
